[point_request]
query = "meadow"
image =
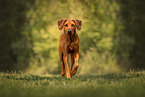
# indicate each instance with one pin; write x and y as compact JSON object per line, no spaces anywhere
{"x":111,"y":40}
{"x":121,"y":84}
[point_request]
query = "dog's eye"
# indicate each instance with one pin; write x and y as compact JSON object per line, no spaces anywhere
{"x":72,"y":25}
{"x":66,"y":25}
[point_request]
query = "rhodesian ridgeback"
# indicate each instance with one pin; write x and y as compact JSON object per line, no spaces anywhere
{"x":69,"y":44}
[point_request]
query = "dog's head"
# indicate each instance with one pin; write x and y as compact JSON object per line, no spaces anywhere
{"x":69,"y":25}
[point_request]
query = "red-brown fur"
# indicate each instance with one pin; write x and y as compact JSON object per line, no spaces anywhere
{"x":69,"y":44}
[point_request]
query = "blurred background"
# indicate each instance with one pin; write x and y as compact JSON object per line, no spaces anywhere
{"x":111,"y":38}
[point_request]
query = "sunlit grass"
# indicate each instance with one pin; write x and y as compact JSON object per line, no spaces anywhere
{"x":123,"y":84}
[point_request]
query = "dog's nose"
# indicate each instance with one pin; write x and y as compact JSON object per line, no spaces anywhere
{"x":69,"y":32}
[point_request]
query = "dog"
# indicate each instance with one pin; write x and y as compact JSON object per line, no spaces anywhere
{"x":69,"y":44}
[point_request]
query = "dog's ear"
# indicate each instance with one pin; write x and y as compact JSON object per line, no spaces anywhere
{"x":60,"y":23}
{"x":78,"y":23}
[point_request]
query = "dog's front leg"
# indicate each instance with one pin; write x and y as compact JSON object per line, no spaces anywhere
{"x":72,"y":62}
{"x":76,"y":64}
{"x":65,"y":58}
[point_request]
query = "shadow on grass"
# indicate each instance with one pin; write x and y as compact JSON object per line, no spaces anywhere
{"x":109,"y":76}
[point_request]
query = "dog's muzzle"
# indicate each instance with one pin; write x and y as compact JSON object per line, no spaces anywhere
{"x":69,"y":32}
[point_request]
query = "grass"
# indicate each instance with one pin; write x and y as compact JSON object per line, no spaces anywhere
{"x":123,"y":84}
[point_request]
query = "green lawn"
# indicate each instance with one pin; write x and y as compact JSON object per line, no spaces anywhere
{"x":124,"y":84}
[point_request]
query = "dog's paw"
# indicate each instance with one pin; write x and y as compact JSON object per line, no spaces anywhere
{"x":62,"y":74}
{"x":68,"y":76}
{"x":73,"y":72}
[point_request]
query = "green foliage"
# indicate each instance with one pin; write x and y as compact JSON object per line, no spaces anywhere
{"x":45,"y":34}
{"x":123,"y":84}
{"x":15,"y":48}
{"x":96,"y":35}
{"x":132,"y":16}
{"x":38,"y":46}
{"x":97,"y":39}
{"x":108,"y":38}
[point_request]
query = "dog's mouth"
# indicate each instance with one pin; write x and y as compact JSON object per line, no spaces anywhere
{"x":69,"y":32}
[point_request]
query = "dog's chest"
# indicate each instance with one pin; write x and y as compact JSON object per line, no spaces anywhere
{"x":71,"y":49}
